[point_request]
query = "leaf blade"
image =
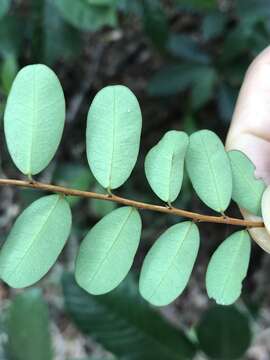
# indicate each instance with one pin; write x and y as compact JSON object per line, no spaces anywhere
{"x":233,"y":336}
{"x":114,"y":239}
{"x":32,"y":341}
{"x":164,"y":165}
{"x":34,"y":118}
{"x":86,"y":16}
{"x":113,"y":135}
{"x":142,"y":332}
{"x":228,"y":267}
{"x":169,"y":263}
{"x":209,"y":169}
{"x":27,"y":255}
{"x":247,"y":190}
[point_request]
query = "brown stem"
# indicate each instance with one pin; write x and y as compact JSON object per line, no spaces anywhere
{"x":137,"y":204}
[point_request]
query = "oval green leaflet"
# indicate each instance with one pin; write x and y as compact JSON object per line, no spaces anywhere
{"x":169,"y":263}
{"x":107,"y":252}
{"x":209,"y":169}
{"x":164,"y":165}
{"x":113,"y":133}
{"x":35,"y":241}
{"x":265,"y":206}
{"x":228,"y":267}
{"x":34,"y":118}
{"x":247,"y":190}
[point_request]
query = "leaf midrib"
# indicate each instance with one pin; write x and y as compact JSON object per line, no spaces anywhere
{"x":232,"y":264}
{"x":171,"y":262}
{"x":212,"y":172}
{"x":33,"y":125}
{"x":114,"y":242}
{"x":113,"y":140}
{"x":36,"y":236}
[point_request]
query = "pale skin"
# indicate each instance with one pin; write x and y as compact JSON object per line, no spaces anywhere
{"x":250,"y":127}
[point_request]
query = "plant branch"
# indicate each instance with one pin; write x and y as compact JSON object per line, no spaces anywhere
{"x":137,"y":204}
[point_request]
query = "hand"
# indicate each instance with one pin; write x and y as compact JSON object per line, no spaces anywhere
{"x":250,"y":127}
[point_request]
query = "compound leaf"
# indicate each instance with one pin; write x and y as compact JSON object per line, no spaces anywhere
{"x":164,"y":165}
{"x":130,"y":328}
{"x":113,"y":135}
{"x":169,"y":263}
{"x":233,"y":336}
{"x":228,"y":267}
{"x":34,"y":118}
{"x":247,"y":190}
{"x":35,"y":241}
{"x":107,"y":252}
{"x":209,"y":169}
{"x":33,"y":341}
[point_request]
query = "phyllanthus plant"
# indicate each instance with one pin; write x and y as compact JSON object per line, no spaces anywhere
{"x":33,"y":126}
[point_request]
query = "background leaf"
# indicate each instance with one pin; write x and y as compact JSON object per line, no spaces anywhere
{"x":168,"y":265}
{"x":35,"y":241}
{"x":107,"y":252}
{"x":86,"y":16}
{"x":75,"y":176}
{"x":4,"y":7}
{"x":113,"y":135}
{"x":164,"y":165}
{"x":8,"y":72}
{"x":155,"y":23}
{"x":130,"y":328}
{"x":185,"y":47}
{"x":34,"y":118}
{"x":209,"y":169}
{"x":174,"y":78}
{"x":28,"y":327}
{"x":228,"y":267}
{"x":61,"y":40}
{"x":224,"y":333}
{"x":101,"y":208}
{"x":247,"y":190}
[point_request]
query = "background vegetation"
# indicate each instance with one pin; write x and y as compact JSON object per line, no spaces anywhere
{"x":185,"y":61}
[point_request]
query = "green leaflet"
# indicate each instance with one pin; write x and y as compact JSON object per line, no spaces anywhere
{"x":85,"y":15}
{"x":168,"y":265}
{"x":228,"y":267}
{"x":107,"y":252}
{"x":34,"y":118}
{"x":141,"y":332}
{"x":209,"y":169}
{"x":35,"y":241}
{"x":247,"y":190}
{"x":28,"y":328}
{"x":265,"y":205}
{"x":224,"y":333}
{"x":113,"y":135}
{"x":164,"y":165}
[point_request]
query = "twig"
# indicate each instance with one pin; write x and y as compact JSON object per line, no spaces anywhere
{"x":137,"y":204}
